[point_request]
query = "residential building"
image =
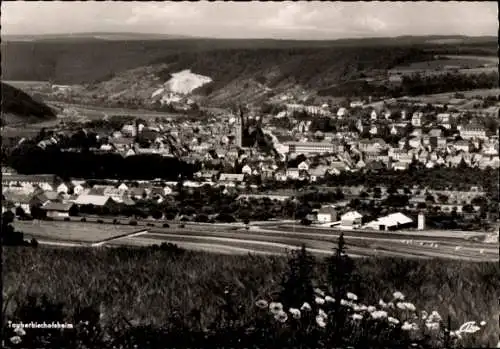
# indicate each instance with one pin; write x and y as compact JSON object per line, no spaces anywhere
{"x":310,"y":147}
{"x":390,"y":222}
{"x":351,"y":219}
{"x":327,"y":214}
{"x":57,"y":209}
{"x":473,"y":131}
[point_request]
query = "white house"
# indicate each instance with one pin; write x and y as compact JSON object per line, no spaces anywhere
{"x":327,"y":214}
{"x":373,"y":115}
{"x":123,"y":187}
{"x":351,"y":219}
{"x":303,"y":166}
{"x":62,"y":188}
{"x":246,"y":170}
{"x":78,"y":189}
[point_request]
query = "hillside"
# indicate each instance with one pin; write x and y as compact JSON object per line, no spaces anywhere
{"x":244,"y":70}
{"x":18,"y":106}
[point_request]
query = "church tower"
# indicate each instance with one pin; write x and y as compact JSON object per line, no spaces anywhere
{"x":238,"y":131}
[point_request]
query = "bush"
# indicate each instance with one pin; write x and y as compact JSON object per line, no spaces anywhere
{"x":182,"y":226}
{"x":150,"y":225}
{"x":66,"y":219}
{"x":166,"y":225}
{"x":83,"y":219}
{"x":132,"y":223}
{"x":100,"y":221}
{"x":116,"y":221}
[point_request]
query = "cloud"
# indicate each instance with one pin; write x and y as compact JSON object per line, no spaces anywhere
{"x":304,"y":20}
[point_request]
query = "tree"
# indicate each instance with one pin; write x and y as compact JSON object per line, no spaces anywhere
{"x":296,"y":284}
{"x":20,"y":211}
{"x":73,"y":211}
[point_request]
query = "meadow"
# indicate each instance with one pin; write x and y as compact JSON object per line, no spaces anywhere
{"x":181,"y":293}
{"x":72,"y":231}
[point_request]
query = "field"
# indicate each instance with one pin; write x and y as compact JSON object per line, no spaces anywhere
{"x":72,"y":231}
{"x":146,"y":286}
{"x":445,"y":97}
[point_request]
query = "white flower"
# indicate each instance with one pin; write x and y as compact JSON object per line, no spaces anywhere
{"x":15,"y":339}
{"x":398,"y":295}
{"x":352,"y":296}
{"x":344,"y":302}
{"x":305,"y":307}
{"x":393,"y":320}
{"x":295,"y":313}
{"x":262,"y":304}
{"x":319,"y":292}
{"x":19,"y":331}
{"x":401,"y":305}
{"x":356,"y":316}
{"x":275,"y":307}
{"x":424,"y":315}
{"x":406,"y":326}
{"x":483,"y":323}
{"x":320,"y":321}
{"x":281,"y":316}
{"x":371,"y":309}
{"x":432,"y":325}
{"x":379,"y":314}
{"x":434,"y":317}
{"x":330,"y":299}
{"x":390,"y":305}
{"x":322,"y":314}
{"x":319,"y":300}
{"x":498,"y":345}
{"x":382,"y":303}
{"x":363,"y":307}
{"x":409,"y":306}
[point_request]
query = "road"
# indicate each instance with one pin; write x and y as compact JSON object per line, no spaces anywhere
{"x":277,"y":239}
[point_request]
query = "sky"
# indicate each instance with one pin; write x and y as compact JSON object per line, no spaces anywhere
{"x":278,"y":20}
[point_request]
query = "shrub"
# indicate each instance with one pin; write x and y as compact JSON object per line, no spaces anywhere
{"x":132,"y":223}
{"x":116,"y":221}
{"x":83,"y":219}
{"x":166,"y":225}
{"x":66,"y":219}
{"x":100,"y":221}
{"x":150,"y":224}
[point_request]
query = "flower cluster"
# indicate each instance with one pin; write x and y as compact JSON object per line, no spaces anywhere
{"x":396,"y":313}
{"x":20,"y":332}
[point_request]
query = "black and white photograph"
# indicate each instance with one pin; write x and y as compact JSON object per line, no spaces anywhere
{"x":254,"y":174}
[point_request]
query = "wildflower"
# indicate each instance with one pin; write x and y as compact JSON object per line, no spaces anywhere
{"x":330,"y":299}
{"x":352,"y":296}
{"x":424,"y":315}
{"x":320,"y":321}
{"x":498,"y":345}
{"x":15,"y":339}
{"x":356,"y":307}
{"x":363,"y":307}
{"x":344,"y":302}
{"x":295,"y":313}
{"x":319,"y":300}
{"x":379,"y":314}
{"x":432,"y":325}
{"x":434,"y":317}
{"x":275,"y":307}
{"x":281,"y":316}
{"x":406,"y":326}
{"x":19,"y":331}
{"x":483,"y":323}
{"x":262,"y":304}
{"x":356,"y":316}
{"x":371,"y":309}
{"x":393,"y":320}
{"x":401,"y":305}
{"x":390,"y":305}
{"x":382,"y":303}
{"x":319,"y":292}
{"x":398,"y":295}
{"x":410,"y":306}
{"x":305,"y":307}
{"x":322,"y":314}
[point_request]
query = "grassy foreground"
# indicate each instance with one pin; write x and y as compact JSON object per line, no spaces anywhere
{"x":160,"y":289}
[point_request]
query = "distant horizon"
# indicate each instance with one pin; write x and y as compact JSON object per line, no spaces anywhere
{"x":174,"y":35}
{"x":254,"y":20}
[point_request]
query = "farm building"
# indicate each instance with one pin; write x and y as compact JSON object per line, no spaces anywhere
{"x":58,"y":209}
{"x":95,"y":200}
{"x":327,"y":214}
{"x":351,"y":219}
{"x":390,"y":222}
